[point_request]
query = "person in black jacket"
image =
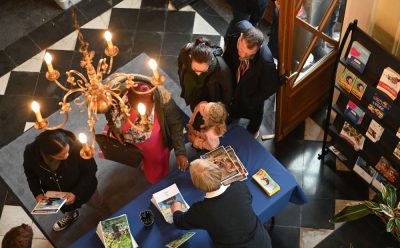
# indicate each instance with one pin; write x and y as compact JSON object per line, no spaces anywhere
{"x":53,"y":163}
{"x":254,"y":71}
{"x":203,"y":74}
{"x":226,"y":212}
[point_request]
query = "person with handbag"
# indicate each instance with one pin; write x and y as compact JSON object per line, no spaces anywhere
{"x":52,"y":162}
{"x":164,"y":132}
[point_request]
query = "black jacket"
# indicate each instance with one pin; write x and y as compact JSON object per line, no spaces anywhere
{"x":75,"y":174}
{"x":218,"y":83}
{"x":228,"y":218}
{"x":261,"y":79}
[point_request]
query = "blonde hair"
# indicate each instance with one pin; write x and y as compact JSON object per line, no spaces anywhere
{"x":206,"y":176}
{"x":216,"y":118}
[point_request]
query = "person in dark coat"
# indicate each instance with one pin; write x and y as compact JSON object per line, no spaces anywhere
{"x":225,"y":213}
{"x":253,"y":68}
{"x":53,"y":163}
{"x":203,"y":74}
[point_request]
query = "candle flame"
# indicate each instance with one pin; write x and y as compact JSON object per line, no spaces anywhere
{"x":108,"y":36}
{"x":153,"y":64}
{"x":82,"y":138}
{"x":48,"y":58}
{"x":141,"y":108}
{"x":35,"y":106}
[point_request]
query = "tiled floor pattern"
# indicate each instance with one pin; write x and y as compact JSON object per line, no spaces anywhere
{"x":154,"y":27}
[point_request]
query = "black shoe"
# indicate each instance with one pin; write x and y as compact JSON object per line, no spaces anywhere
{"x":65,"y":221}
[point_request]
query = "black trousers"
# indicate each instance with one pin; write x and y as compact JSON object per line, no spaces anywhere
{"x":255,"y":116}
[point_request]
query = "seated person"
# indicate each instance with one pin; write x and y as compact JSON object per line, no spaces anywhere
{"x":165,"y":130}
{"x":203,"y":74}
{"x":225,"y":213}
{"x":18,"y":237}
{"x":52,"y":162}
{"x":206,"y":125}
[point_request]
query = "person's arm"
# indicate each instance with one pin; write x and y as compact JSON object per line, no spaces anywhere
{"x":174,"y":122}
{"x":31,"y":177}
{"x":192,"y":219}
{"x":224,"y":84}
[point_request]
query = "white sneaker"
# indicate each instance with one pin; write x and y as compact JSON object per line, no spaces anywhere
{"x":65,"y":221}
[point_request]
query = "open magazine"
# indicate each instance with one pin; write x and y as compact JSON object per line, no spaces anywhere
{"x":51,"y":204}
{"x":115,"y":232}
{"x":164,"y":199}
{"x":178,"y":242}
{"x":231,"y":167}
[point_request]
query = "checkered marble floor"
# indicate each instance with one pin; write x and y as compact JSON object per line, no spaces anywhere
{"x":155,"y":27}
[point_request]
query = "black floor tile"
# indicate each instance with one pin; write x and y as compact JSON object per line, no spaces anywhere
{"x":180,"y":22}
{"x":22,"y":83}
{"x":147,"y":42}
{"x":22,"y":50}
{"x":173,"y":42}
{"x":151,"y":20}
{"x":285,"y":237}
{"x":6,"y":64}
{"x":15,"y":111}
{"x":11,"y":199}
{"x":123,"y":57}
{"x":114,"y":2}
{"x":199,"y":6}
{"x":49,"y":105}
{"x":289,"y":216}
{"x":215,"y":39}
{"x":3,"y":194}
{"x":319,"y":116}
{"x":61,"y":61}
{"x":46,"y":35}
{"x":125,"y":19}
{"x":290,"y":152}
{"x":170,"y":65}
{"x":93,"y":8}
{"x":317,"y":212}
{"x":46,"y":88}
{"x":123,"y":39}
{"x":154,"y":4}
{"x":95,"y":38}
{"x":65,"y":22}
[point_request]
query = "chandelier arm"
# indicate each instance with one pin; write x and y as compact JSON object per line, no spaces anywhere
{"x":65,"y":114}
{"x":71,"y":92}
{"x":136,"y":127}
{"x":111,"y":64}
{"x":99,"y":66}
{"x":83,"y":78}
{"x":60,"y":85}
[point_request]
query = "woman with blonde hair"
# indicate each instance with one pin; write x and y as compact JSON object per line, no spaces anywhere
{"x":226,"y":212}
{"x":207,"y":124}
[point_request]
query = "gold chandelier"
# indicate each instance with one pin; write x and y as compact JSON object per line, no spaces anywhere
{"x":99,"y":95}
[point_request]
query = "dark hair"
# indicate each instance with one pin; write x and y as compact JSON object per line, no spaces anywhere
{"x":52,"y":142}
{"x":201,"y":51}
{"x":18,"y":237}
{"x":253,"y":37}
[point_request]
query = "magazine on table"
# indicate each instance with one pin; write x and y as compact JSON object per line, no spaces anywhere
{"x":347,"y":80}
{"x":363,"y":170}
{"x":178,"y":242}
{"x":164,"y":199}
{"x":352,"y":136}
{"x":358,"y":56}
{"x":266,"y":182}
{"x":389,"y":83}
{"x":378,"y":106}
{"x":374,"y":131}
{"x":221,"y":158}
{"x":354,"y":113}
{"x":387,"y":170}
{"x":115,"y":232}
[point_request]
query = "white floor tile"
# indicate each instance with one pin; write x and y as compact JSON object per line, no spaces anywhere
{"x":201,"y":26}
{"x":100,"y":22}
{"x":129,"y":4}
{"x":313,"y":131}
{"x":3,"y":82}
{"x":13,"y":216}
{"x":67,"y":43}
{"x":41,"y":243}
{"x":310,"y":237}
{"x":37,"y":234}
{"x":28,"y":125}
{"x":32,"y":65}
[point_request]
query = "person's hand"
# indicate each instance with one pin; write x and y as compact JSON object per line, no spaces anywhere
{"x":70,"y":197}
{"x":182,"y":162}
{"x":40,"y":197}
{"x":117,"y":134}
{"x":176,"y":206}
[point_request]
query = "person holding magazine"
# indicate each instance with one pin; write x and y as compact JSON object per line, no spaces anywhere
{"x":206,"y":125}
{"x":52,"y":162}
{"x":225,"y":213}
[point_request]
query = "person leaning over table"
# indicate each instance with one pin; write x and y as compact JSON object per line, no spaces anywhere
{"x":225,"y":213}
{"x":166,"y":130}
{"x":52,"y":162}
{"x":203,"y":74}
{"x":254,"y":71}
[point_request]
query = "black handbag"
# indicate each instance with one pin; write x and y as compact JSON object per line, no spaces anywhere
{"x":113,"y":150}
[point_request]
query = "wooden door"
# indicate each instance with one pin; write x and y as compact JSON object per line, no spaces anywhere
{"x":309,"y":32}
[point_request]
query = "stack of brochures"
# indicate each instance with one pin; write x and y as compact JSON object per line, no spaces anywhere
{"x":164,"y":199}
{"x":266,"y":182}
{"x":231,"y":167}
{"x":115,"y":232}
{"x":51,"y":204}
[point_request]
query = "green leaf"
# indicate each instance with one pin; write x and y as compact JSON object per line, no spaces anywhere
{"x":352,"y":212}
{"x":390,"y":225}
{"x":386,"y":210}
{"x":397,"y":223}
{"x":391,"y":197}
{"x":372,"y":205}
{"x":383,"y":191}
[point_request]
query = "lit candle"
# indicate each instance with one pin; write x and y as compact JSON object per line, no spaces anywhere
{"x":83,"y":139}
{"x":153,"y":66}
{"x":142,"y":112}
{"x":108,"y":37}
{"x":48,"y":59}
{"x":36,"y":109}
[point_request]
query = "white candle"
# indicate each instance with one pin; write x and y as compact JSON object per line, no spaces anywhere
{"x":48,"y":59}
{"x":36,"y":109}
{"x":142,"y":112}
{"x":153,"y":66}
{"x":108,"y":37}
{"x":83,"y":139}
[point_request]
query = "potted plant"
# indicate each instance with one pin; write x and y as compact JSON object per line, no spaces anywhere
{"x":384,"y":205}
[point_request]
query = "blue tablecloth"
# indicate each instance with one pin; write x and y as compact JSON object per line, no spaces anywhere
{"x":251,"y":153}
